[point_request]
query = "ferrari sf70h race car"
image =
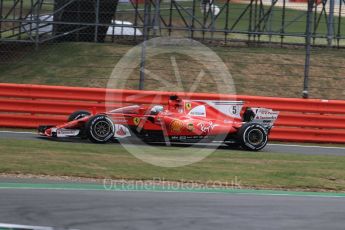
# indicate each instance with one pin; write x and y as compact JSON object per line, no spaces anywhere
{"x":186,"y":121}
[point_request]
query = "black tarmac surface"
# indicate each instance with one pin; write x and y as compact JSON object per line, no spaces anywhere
{"x":92,"y":210}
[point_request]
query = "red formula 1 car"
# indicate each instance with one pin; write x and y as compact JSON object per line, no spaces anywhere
{"x":187,"y":121}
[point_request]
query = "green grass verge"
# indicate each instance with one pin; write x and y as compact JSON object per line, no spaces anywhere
{"x":255,"y":71}
{"x":259,"y":170}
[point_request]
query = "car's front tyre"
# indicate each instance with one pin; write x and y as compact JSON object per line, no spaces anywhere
{"x":100,"y":129}
{"x":77,"y":115}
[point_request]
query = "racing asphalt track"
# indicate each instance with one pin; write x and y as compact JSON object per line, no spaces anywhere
{"x":101,"y":209}
{"x":276,"y":148}
{"x":76,"y":207}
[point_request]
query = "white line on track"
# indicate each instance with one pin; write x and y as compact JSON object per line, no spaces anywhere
{"x":307,"y":146}
{"x":17,"y":226}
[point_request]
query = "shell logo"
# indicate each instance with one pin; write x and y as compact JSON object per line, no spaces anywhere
{"x":176,"y":126}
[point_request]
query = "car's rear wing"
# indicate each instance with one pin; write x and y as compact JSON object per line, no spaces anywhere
{"x":266,"y":117}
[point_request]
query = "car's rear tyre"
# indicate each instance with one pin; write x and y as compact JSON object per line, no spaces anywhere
{"x":252,"y":136}
{"x":77,"y":115}
{"x":100,"y":129}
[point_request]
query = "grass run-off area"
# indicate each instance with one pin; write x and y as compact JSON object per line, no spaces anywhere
{"x":255,"y":70}
{"x":251,"y":170}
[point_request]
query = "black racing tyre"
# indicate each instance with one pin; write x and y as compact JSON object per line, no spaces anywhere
{"x":77,"y":115}
{"x":99,"y":129}
{"x":252,"y":136}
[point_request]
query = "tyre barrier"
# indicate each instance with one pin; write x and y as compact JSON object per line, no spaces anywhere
{"x":300,"y":120}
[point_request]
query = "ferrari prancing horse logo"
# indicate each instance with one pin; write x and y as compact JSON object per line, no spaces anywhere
{"x":136,"y":120}
{"x":188,"y":105}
